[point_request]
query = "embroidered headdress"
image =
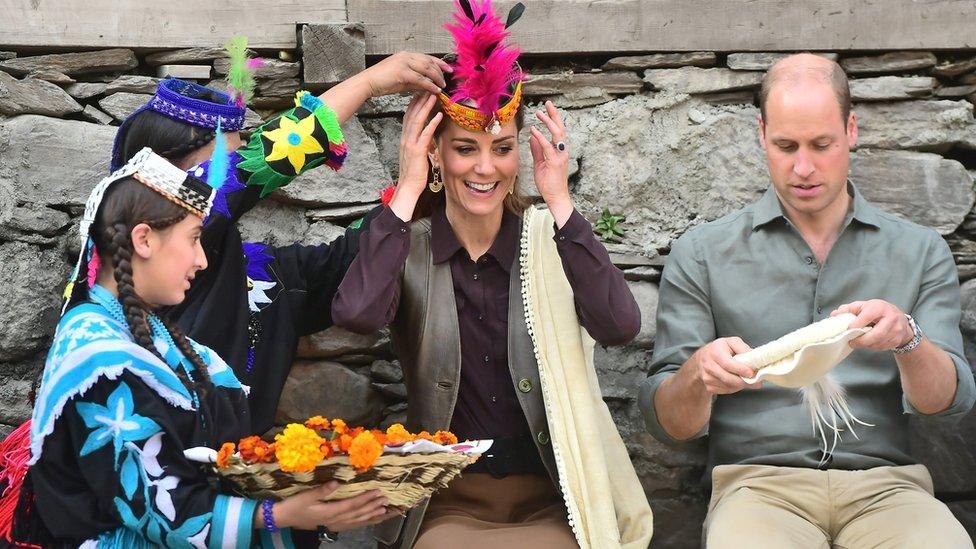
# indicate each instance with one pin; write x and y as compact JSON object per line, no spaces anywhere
{"x":200,"y":106}
{"x":154,"y":171}
{"x":485,"y":89}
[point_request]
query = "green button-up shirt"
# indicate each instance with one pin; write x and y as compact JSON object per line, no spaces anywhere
{"x":750,"y":274}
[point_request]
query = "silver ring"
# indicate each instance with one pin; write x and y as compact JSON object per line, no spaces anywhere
{"x":560,"y":146}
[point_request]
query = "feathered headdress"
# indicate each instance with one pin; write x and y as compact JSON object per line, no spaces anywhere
{"x":486,"y":71}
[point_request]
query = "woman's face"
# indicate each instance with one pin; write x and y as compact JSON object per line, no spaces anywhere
{"x":478,"y":168}
{"x":166,"y":260}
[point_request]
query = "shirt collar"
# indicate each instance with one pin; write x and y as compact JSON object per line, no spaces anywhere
{"x":444,"y":243}
{"x":768,"y":208}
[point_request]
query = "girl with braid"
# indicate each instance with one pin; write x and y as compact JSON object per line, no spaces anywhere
{"x":124,"y":393}
{"x":255,"y":300}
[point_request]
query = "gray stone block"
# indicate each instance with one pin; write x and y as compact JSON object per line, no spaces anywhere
{"x":72,"y":64}
{"x":32,"y":96}
{"x":694,"y":80}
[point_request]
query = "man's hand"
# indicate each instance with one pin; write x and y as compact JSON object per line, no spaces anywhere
{"x":715,"y":368}
{"x":890,"y":326}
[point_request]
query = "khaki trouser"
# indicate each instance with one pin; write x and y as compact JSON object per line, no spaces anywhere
{"x":477,"y":511}
{"x":760,"y":506}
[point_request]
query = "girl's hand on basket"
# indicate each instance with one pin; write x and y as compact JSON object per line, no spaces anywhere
{"x":307,"y":511}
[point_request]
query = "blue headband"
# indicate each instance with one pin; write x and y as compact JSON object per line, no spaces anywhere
{"x":173,"y":100}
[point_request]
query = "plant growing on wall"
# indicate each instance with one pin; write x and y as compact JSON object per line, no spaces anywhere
{"x":609,"y":225}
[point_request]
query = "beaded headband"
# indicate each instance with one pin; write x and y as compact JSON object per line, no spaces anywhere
{"x":173,"y":100}
{"x":472,"y":119}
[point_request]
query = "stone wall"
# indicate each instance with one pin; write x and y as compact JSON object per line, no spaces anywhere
{"x":668,"y":140}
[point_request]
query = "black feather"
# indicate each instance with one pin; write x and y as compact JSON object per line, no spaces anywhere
{"x":491,"y":48}
{"x":479,"y":68}
{"x":514,"y":14}
{"x":467,"y":9}
{"x":481,"y":19}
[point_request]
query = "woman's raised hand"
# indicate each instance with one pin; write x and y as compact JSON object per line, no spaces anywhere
{"x":551,"y":164}
{"x":407,"y":71}
{"x":415,"y":142}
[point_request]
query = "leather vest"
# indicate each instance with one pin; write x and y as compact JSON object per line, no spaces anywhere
{"x":427,"y":339}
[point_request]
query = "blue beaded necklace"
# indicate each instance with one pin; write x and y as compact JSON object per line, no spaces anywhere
{"x":105,"y":298}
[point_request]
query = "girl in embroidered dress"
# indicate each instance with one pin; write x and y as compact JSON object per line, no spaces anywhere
{"x":124,"y":393}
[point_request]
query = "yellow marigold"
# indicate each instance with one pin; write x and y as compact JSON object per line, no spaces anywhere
{"x":298,"y":448}
{"x":364,"y":451}
{"x":224,"y":454}
{"x":339,"y":426}
{"x":397,"y":435}
{"x":318,"y":423}
{"x":445,"y":438}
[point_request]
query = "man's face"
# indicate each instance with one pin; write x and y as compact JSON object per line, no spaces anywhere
{"x":807,"y":146}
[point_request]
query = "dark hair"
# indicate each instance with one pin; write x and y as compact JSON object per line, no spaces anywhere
{"x":832,"y":74}
{"x":126,"y":204}
{"x":166,"y":137}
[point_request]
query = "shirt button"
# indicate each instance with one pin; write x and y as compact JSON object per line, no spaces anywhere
{"x":494,"y":399}
{"x":486,"y":358}
{"x":809,"y":260}
{"x":819,"y":310}
{"x":524,"y":385}
{"x":403,"y":230}
{"x":475,"y":276}
{"x":562,"y":238}
{"x":481,"y":317}
{"x":543,"y":438}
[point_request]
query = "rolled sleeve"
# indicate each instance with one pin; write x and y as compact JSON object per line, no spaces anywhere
{"x":684,"y":324}
{"x":937,"y":313}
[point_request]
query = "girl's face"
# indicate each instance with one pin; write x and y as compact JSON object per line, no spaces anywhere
{"x":478,"y":168}
{"x":165,"y":261}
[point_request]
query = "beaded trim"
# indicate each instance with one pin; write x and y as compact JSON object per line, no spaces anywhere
{"x":171,"y":102}
{"x":472,"y":119}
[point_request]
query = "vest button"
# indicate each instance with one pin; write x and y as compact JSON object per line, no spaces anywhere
{"x":543,"y":438}
{"x":524,"y":385}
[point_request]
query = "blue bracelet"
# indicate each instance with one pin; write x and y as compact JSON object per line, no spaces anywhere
{"x":267,"y":507}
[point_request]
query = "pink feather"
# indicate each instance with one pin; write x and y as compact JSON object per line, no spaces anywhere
{"x":484,"y":79}
{"x":93,"y":265}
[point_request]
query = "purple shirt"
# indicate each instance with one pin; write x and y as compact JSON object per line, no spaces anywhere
{"x":487,"y":405}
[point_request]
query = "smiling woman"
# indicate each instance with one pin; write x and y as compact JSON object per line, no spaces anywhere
{"x":456,"y":286}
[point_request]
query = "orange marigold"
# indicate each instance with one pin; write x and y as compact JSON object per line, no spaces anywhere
{"x":364,"y":451}
{"x":318,"y":423}
{"x":339,"y":426}
{"x":298,"y":448}
{"x":265,"y":452}
{"x":397,"y":435}
{"x":327,"y":450}
{"x":246,"y":448}
{"x":424,"y":435}
{"x":445,"y":438}
{"x":224,"y":454}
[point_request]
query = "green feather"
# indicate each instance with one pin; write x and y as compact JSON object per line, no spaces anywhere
{"x":240,"y":76}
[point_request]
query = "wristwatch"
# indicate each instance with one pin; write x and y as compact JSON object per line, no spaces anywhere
{"x":916,"y":339}
{"x":326,"y":535}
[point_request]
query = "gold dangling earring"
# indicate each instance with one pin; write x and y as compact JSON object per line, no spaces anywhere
{"x":436,"y":183}
{"x":511,"y":190}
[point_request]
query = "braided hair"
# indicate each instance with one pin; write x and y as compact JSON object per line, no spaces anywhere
{"x":128,"y":203}
{"x":168,"y":138}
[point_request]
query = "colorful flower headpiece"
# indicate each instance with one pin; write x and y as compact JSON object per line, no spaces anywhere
{"x":486,"y":71}
{"x":155,"y":172}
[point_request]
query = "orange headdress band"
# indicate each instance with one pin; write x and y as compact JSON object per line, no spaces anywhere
{"x":472,"y":119}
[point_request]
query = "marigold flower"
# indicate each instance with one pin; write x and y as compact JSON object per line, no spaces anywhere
{"x":339,"y":426}
{"x":326,"y":449}
{"x":364,"y":451}
{"x":224,"y":454}
{"x":424,"y":435}
{"x":445,"y":438}
{"x":265,"y":452}
{"x":397,"y":435}
{"x":298,"y":448}
{"x":318,"y":423}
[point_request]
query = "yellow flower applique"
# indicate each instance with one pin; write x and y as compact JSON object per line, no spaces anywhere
{"x":293,"y":140}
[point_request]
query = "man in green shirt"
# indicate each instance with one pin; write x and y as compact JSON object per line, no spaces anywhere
{"x":812,"y":245}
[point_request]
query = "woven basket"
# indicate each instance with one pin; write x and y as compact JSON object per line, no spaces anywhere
{"x":405,"y":479}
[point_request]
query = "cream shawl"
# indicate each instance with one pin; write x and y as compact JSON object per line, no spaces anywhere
{"x":606,"y":503}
